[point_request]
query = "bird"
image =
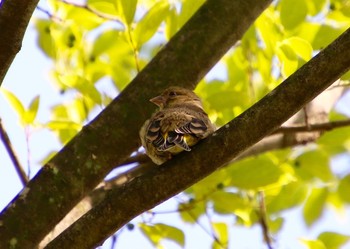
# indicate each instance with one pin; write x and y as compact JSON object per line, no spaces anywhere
{"x":179,"y":124}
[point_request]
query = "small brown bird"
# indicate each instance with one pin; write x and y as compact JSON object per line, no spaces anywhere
{"x":180,"y":123}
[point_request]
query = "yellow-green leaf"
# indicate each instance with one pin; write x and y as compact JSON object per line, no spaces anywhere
{"x":30,"y":114}
{"x":293,"y":13}
{"x":14,"y":102}
{"x":150,"y":22}
{"x":221,"y":231}
{"x":300,"y":46}
{"x":314,"y":164}
{"x":254,"y":173}
{"x":313,"y":244}
{"x":333,"y":240}
{"x":314,"y":205}
{"x":104,"y":6}
{"x":344,"y":189}
{"x":226,"y":203}
{"x":126,"y":9}
{"x":157,"y":232}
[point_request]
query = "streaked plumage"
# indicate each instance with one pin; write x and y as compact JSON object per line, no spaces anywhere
{"x":179,"y":124}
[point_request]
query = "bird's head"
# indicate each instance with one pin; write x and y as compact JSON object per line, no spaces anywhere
{"x":173,"y":96}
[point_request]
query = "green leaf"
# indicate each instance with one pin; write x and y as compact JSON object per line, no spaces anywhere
{"x":30,"y":114}
{"x":45,"y":38}
{"x":104,"y":6}
{"x":157,"y":232}
{"x":300,"y":46}
{"x":275,"y":225}
{"x":333,"y":240}
{"x":190,"y":212}
{"x":288,"y":58}
{"x":288,"y":197}
{"x":228,"y":203}
{"x":316,"y":7}
{"x":344,"y":189}
{"x":313,"y":244}
{"x":333,"y":142}
{"x":293,"y":13}
{"x":62,"y":125}
{"x":126,"y":9}
{"x":15,"y":103}
{"x":314,"y":164}
{"x":221,"y":231}
{"x":314,"y":205}
{"x":325,"y":35}
{"x":254,"y":173}
{"x":150,"y":22}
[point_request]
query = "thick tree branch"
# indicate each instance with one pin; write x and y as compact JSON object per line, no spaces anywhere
{"x":144,"y":192}
{"x":113,"y":135}
{"x":14,"y":19}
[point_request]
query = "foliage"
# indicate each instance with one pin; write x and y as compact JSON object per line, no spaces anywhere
{"x":111,"y":41}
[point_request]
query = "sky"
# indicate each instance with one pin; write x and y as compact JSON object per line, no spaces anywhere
{"x":29,"y":77}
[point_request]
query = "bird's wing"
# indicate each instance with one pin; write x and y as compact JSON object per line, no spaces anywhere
{"x":176,"y":127}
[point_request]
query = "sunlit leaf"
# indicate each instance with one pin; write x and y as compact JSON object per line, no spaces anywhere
{"x":45,"y":39}
{"x":226,"y":203}
{"x":190,"y":212}
{"x":314,"y":205}
{"x":221,"y":232}
{"x":127,"y":9}
{"x":288,"y":197}
{"x":313,"y":244}
{"x":333,"y":240}
{"x":344,"y":189}
{"x":30,"y":114}
{"x":254,"y":173}
{"x":104,"y":6}
{"x":300,"y":46}
{"x":150,"y":22}
{"x":293,"y":13}
{"x":313,"y":164}
{"x":157,"y":232}
{"x":15,"y":103}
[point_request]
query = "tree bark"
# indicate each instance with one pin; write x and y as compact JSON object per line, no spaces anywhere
{"x":160,"y":183}
{"x":14,"y":19}
{"x":113,"y":135}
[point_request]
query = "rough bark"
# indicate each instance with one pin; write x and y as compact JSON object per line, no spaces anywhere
{"x":14,"y":19}
{"x":160,"y":183}
{"x":113,"y":135}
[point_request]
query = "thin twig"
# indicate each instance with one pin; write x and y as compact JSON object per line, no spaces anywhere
{"x":8,"y":146}
{"x":262,"y":219}
{"x":213,"y":233}
{"x":314,"y":127}
{"x":92,"y":10}
{"x":136,"y":53}
{"x":205,"y":230}
{"x":50,"y":15}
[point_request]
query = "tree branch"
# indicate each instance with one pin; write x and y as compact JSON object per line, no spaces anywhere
{"x":14,"y":19}
{"x":8,"y":146}
{"x":148,"y":190}
{"x":313,"y":127}
{"x":113,"y":135}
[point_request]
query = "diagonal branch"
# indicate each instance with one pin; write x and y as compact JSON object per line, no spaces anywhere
{"x":14,"y":19}
{"x":113,"y":135}
{"x":160,"y":183}
{"x":8,"y":146}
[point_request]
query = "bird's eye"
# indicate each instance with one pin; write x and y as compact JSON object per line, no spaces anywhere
{"x":172,"y":94}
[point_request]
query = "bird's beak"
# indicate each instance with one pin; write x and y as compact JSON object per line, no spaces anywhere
{"x":159,"y":101}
